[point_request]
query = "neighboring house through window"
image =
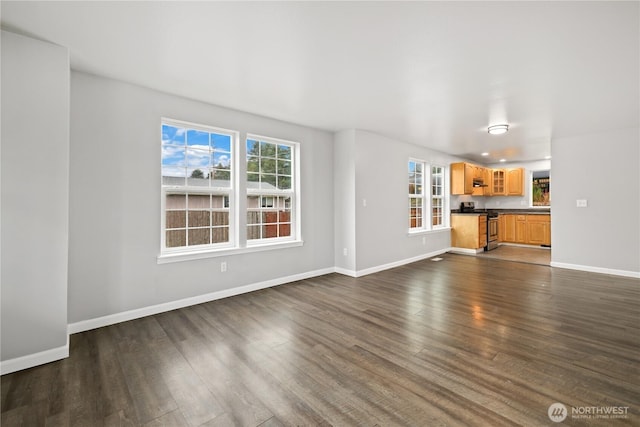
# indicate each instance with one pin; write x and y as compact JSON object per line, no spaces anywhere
{"x":196,"y":186}
{"x":200,"y":190}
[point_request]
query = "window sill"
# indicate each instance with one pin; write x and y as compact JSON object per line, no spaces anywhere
{"x":413,"y":233}
{"x":213,"y":253}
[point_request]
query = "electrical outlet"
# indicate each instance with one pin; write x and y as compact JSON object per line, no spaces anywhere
{"x":581,"y":203}
{"x":364,"y":203}
{"x":223,"y":266}
{"x":345,"y":252}
{"x":424,"y":240}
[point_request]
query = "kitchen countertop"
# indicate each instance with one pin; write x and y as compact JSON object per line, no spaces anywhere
{"x":530,"y":211}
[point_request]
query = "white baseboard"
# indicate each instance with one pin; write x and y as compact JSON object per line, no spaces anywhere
{"x":601,"y":270}
{"x":35,"y":359}
{"x":371,"y":270}
{"x":111,"y":319}
{"x":346,"y":272}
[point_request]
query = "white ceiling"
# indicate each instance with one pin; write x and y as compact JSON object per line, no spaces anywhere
{"x":429,"y":73}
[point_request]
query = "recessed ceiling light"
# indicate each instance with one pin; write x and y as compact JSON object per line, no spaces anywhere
{"x":485,"y":154}
{"x":503,"y":160}
{"x":498,"y":129}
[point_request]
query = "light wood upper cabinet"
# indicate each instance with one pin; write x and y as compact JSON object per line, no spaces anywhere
{"x":514,"y":182}
{"x":462,"y":176}
{"x":498,"y":182}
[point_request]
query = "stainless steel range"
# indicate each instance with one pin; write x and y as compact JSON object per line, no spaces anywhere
{"x":492,"y":231}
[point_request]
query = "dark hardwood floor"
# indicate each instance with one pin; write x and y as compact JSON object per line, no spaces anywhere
{"x":460,"y":342}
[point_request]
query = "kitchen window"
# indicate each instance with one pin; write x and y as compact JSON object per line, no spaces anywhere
{"x":540,"y":189}
{"x":426,"y":213}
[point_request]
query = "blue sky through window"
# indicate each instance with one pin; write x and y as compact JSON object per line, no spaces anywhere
{"x":185,"y":150}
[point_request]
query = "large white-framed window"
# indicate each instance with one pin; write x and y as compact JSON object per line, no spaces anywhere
{"x":272,"y":186}
{"x":426,"y":212}
{"x":416,"y":195}
{"x":203,"y":192}
{"x":437,"y":197}
{"x":198,"y":187}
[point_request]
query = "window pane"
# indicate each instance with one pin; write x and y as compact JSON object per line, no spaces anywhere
{"x":172,"y":135}
{"x":253,"y":217}
{"x":199,"y":236}
{"x":284,"y":182}
{"x":176,"y":219}
{"x":269,"y":180}
{"x":199,"y":201}
{"x":221,"y":142}
{"x":221,"y":160}
{"x":284,"y":152}
{"x":199,"y":219}
{"x":267,"y":165}
{"x":176,"y":238}
{"x":198,"y":139}
{"x":269,"y":217}
{"x":197,"y":159}
{"x":173,"y":155}
{"x":267,"y":149}
{"x":284,"y":167}
{"x":176,"y":201}
{"x":220,"y":218}
{"x":220,"y":234}
{"x":221,"y":178}
{"x":253,"y":232}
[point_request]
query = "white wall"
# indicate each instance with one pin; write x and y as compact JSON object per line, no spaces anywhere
{"x":344,"y":165}
{"x":35,"y":201}
{"x":381,"y":227}
{"x":603,"y":169}
{"x":115,"y":202}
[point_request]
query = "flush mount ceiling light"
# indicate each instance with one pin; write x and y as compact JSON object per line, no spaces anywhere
{"x":498,"y":129}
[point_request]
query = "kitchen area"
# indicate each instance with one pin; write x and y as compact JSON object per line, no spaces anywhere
{"x":501,"y":212}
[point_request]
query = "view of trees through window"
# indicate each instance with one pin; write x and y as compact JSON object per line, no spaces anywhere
{"x":269,"y":189}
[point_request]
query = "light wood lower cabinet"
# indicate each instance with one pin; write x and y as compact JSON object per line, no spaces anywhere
{"x":468,"y":231}
{"x":539,"y":229}
{"x":534,"y":229}
{"x":521,"y":228}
